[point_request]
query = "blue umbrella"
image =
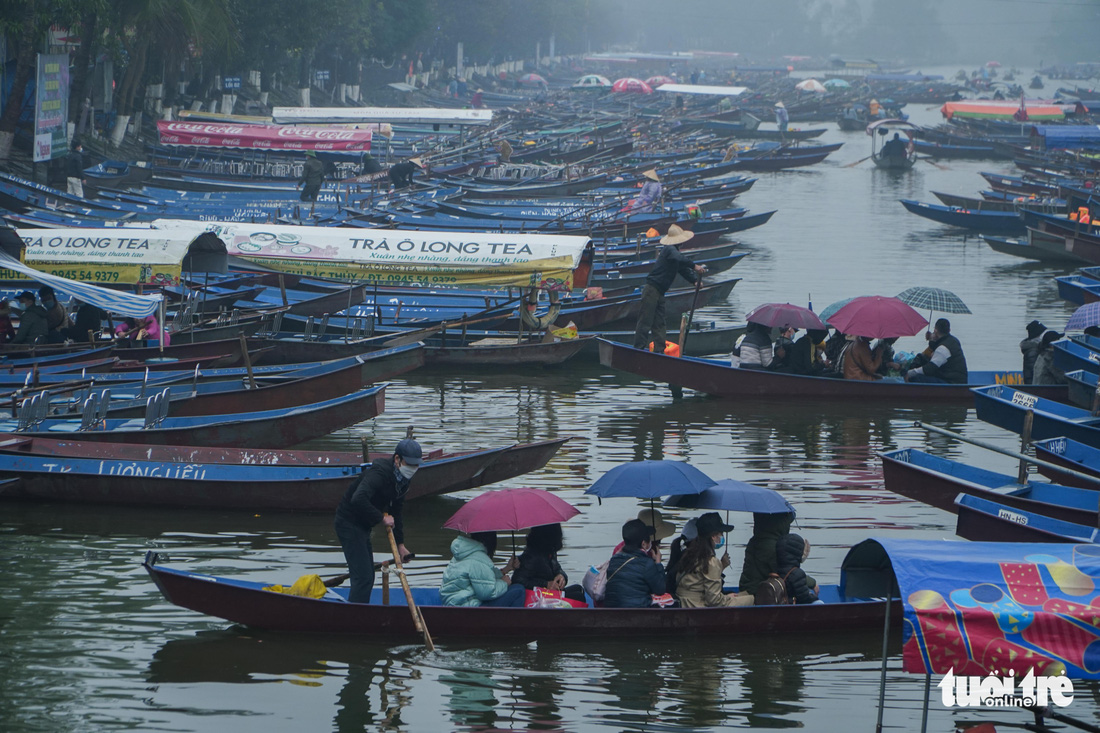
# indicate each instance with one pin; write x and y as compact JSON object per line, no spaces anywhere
{"x":831,"y":309}
{"x":734,"y":496}
{"x":651,"y":480}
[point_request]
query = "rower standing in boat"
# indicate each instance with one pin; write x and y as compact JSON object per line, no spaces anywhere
{"x":313,"y":175}
{"x":782,"y":119}
{"x":670,"y":262}
{"x":380,"y":490}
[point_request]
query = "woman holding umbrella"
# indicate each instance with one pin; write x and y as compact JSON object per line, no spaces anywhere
{"x":699,"y":582}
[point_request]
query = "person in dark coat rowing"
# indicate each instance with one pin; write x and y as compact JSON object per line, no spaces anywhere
{"x":380,"y":489}
{"x":635,"y":573}
{"x":670,"y":262}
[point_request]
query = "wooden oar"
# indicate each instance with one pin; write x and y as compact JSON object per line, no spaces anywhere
{"x":929,"y":162}
{"x":853,"y":165}
{"x":338,"y":580}
{"x":418,"y":619}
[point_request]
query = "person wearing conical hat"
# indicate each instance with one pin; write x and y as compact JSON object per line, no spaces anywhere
{"x":670,"y":263}
{"x":781,"y":117}
{"x":648,"y":196}
{"x":401,"y":174}
{"x":313,"y":175}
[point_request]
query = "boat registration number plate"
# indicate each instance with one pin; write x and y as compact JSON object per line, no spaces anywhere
{"x":1024,"y":400}
{"x":1012,"y":516}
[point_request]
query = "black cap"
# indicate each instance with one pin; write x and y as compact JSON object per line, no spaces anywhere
{"x":410,"y":451}
{"x":635,"y":532}
{"x":27,"y":295}
{"x":711,"y":523}
{"x":1035,"y":329}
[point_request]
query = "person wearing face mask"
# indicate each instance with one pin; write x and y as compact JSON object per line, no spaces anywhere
{"x":635,"y":574}
{"x":377,"y":497}
{"x":699,"y":582}
{"x":56,"y":317}
{"x":32,"y":320}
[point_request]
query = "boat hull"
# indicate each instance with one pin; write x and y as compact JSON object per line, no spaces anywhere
{"x":722,"y":380}
{"x":246,"y":603}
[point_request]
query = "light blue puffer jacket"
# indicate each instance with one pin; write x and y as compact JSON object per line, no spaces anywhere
{"x":470,"y":578}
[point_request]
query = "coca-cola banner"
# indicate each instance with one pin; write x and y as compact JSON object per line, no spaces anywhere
{"x":263,"y":137}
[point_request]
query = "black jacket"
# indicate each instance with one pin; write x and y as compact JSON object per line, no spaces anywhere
{"x":952,"y":371}
{"x":536,"y":569}
{"x":313,"y":172}
{"x":669,"y":262}
{"x":88,"y":318}
{"x":372,"y":494}
{"x":800,"y":357}
{"x":788,"y":557}
{"x":401,"y":174}
{"x":632,"y":579}
{"x":760,"y":552}
{"x":74,"y":164}
{"x":1030,"y":349}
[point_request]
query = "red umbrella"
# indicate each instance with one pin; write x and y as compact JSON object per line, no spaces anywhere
{"x":510,"y":509}
{"x":785,"y":314}
{"x":630,"y":84}
{"x":532,"y":79}
{"x":877,"y":316}
{"x":656,"y":81}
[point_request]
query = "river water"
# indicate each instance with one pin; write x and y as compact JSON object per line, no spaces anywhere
{"x":87,"y":642}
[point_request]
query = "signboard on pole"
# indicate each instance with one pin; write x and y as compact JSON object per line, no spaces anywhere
{"x":231,"y":82}
{"x":51,"y":107}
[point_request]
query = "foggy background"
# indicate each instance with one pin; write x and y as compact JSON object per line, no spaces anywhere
{"x":929,"y":32}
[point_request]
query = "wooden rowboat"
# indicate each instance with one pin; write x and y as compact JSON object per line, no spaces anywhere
{"x":718,"y":378}
{"x":246,"y":603}
{"x":226,"y":478}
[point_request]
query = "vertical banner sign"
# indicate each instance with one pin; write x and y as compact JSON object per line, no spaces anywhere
{"x":51,"y":108}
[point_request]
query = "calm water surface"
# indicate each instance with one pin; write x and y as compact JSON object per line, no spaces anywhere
{"x":87,"y":643}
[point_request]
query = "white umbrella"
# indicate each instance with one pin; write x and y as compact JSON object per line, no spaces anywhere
{"x":810,"y":85}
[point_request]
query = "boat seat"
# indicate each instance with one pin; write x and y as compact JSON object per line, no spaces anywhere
{"x":63,"y":427}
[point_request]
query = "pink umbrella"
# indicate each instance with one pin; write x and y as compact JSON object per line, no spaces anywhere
{"x":877,"y":316}
{"x":531,"y":79}
{"x":992,"y":64}
{"x":631,"y":85}
{"x":785,"y":314}
{"x":510,"y":509}
{"x":656,"y":81}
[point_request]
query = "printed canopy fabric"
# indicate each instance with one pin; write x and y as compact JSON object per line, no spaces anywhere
{"x":995,"y":607}
{"x":113,"y":301}
{"x":265,"y":137}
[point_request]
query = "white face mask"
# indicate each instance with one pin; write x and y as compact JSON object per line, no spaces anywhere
{"x":407,"y":471}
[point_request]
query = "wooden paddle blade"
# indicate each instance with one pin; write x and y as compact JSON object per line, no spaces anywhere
{"x":337,"y":580}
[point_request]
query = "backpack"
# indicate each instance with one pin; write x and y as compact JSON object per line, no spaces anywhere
{"x":595,"y":580}
{"x":772,"y":591}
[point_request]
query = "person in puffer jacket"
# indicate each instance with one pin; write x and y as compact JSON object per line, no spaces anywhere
{"x":790,"y":552}
{"x":471,"y":579}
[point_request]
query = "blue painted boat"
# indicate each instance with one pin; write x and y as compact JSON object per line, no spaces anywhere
{"x":279,"y":428}
{"x":982,"y":520}
{"x":981,"y":221}
{"x":937,"y":481}
{"x":1036,"y":250}
{"x":1078,"y":289}
{"x":1071,"y":454}
{"x":943,"y":150}
{"x":1071,"y":356}
{"x":1081,"y":386}
{"x":1005,"y":407}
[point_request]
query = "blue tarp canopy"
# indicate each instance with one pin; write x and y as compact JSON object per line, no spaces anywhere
{"x":981,"y":607}
{"x":1068,"y":137}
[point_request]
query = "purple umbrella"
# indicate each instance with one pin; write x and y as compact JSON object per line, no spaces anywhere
{"x":785,"y":314}
{"x":1085,"y":316}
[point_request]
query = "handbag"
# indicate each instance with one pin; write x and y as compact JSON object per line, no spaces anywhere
{"x":595,"y":580}
{"x":546,"y":598}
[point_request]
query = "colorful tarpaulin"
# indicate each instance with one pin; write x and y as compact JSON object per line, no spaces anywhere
{"x":113,"y":301}
{"x":120,"y":256}
{"x":264,"y":137}
{"x":981,"y":607}
{"x":986,"y":109}
{"x":404,"y":257}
